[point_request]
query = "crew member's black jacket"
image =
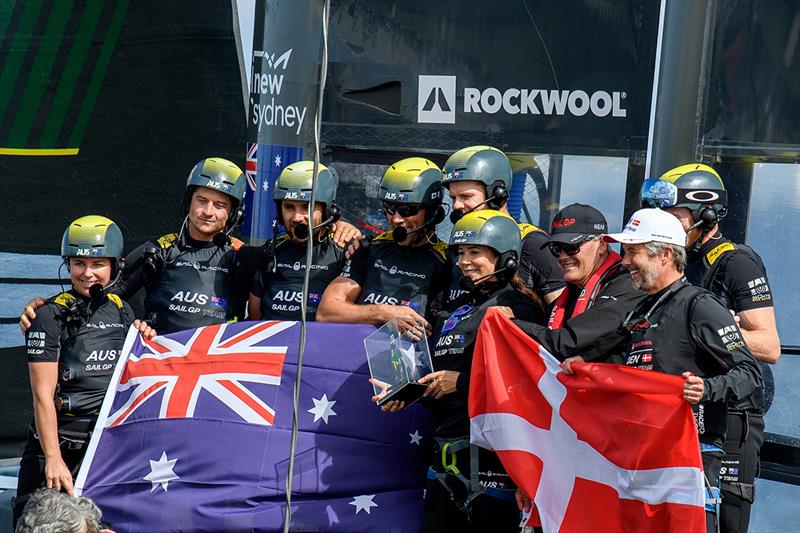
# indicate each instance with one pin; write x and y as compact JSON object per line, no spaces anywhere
{"x":282,"y":291}
{"x":736,"y":275}
{"x":85,"y":338}
{"x":455,"y":342}
{"x":687,"y":329}
{"x":593,"y":334}
{"x":188,"y":283}
{"x":415,"y":276}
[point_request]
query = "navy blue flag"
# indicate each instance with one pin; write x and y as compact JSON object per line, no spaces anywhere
{"x":195,"y":431}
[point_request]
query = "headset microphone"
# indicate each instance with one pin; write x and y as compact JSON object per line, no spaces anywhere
{"x":301,"y":230}
{"x":468,"y":284}
{"x":455,"y":216}
{"x":97,"y":291}
{"x":220,"y":239}
{"x":399,"y":234}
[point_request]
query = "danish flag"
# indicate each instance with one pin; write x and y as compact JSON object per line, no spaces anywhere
{"x":251,"y":165}
{"x":208,"y":363}
{"x":609,"y":449}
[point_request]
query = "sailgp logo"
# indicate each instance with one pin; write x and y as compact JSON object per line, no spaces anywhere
{"x":273,"y":63}
{"x":436,"y":100}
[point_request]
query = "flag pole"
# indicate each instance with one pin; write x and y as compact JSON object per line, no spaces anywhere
{"x":323,"y":70}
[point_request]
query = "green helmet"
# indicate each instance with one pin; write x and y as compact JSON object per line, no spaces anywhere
{"x":485,"y":164}
{"x":692,"y":186}
{"x":490,"y":228}
{"x":294,"y":183}
{"x":92,"y":236}
{"x":414,"y":180}
{"x":223,"y":176}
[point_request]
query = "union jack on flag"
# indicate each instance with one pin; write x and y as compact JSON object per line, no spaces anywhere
{"x":206,"y":361}
{"x":251,"y":165}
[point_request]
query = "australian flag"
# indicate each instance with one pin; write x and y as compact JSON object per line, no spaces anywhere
{"x":263,"y":165}
{"x":195,"y":433}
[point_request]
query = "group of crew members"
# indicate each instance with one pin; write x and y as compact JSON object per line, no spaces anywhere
{"x":681,"y":299}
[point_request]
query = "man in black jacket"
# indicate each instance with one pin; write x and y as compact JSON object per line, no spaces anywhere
{"x":584,"y":321}
{"x":686,"y":331}
{"x":735,"y":273}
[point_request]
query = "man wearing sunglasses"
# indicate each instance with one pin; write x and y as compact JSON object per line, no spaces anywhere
{"x":584,"y":321}
{"x":696,"y":195}
{"x":403,"y":272}
{"x":479,"y":177}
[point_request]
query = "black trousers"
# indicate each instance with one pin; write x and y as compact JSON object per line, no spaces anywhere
{"x":31,"y":470}
{"x":740,"y":466}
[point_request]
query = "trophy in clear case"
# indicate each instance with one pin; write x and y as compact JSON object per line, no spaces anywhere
{"x":397,"y":361}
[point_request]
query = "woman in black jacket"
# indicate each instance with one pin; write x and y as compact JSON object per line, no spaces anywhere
{"x":73,"y":346}
{"x":457,"y":499}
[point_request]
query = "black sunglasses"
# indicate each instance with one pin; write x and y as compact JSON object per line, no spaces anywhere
{"x":568,"y":248}
{"x":405,"y":210}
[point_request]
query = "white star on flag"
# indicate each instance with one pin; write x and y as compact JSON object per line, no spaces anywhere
{"x":364,"y":503}
{"x":161,"y":472}
{"x":265,"y":185}
{"x":278,"y":160}
{"x":415,"y":437}
{"x":323,"y":408}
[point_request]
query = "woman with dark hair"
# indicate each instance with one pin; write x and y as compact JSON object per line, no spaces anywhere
{"x":73,"y":346}
{"x":468,"y":488}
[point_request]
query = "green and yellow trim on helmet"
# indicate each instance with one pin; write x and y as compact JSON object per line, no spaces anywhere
{"x":295,"y":182}
{"x":488,"y":227}
{"x":414,"y":180}
{"x":221,"y":175}
{"x":697,"y":185}
{"x":485,"y":164}
{"x":92,"y":236}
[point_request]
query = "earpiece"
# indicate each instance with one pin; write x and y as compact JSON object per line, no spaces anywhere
{"x":708,"y":217}
{"x":507,"y":263}
{"x":332,"y":213}
{"x":499,"y":195}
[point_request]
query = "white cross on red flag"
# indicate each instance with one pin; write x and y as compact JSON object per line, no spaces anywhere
{"x":608,"y":449}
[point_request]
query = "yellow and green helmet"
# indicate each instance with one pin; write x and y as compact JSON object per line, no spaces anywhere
{"x":92,"y":236}
{"x":294,"y":183}
{"x":221,"y":175}
{"x":692,"y":186}
{"x":488,"y":227}
{"x":414,"y":180}
{"x":485,"y":164}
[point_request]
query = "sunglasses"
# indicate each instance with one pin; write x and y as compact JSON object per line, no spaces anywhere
{"x":570,"y":249}
{"x":405,"y":210}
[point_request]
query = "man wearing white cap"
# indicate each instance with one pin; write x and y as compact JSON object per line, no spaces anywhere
{"x":685,"y":330}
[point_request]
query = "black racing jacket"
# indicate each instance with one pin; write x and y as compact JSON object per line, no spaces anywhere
{"x":687,"y":329}
{"x":736,"y":274}
{"x":188,"y":283}
{"x":415,"y":276}
{"x":454,"y":344}
{"x":281,"y":291}
{"x":85,"y":337}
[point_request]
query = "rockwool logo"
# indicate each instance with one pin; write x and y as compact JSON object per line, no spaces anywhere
{"x":437,"y":98}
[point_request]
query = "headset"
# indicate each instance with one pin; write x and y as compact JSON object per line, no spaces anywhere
{"x":497,"y":199}
{"x":504,"y":269}
{"x":399,"y":234}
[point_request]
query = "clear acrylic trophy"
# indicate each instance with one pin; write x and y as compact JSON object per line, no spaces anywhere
{"x":396,"y":363}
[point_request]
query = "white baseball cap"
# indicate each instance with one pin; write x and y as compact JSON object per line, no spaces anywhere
{"x":650,"y":225}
